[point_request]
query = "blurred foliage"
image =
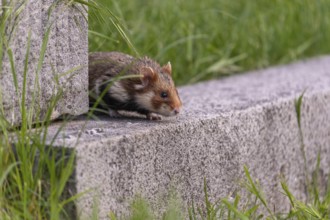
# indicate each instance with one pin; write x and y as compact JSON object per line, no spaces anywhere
{"x":206,"y":39}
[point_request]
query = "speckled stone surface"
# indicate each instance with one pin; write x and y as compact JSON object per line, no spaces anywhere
{"x":64,"y":70}
{"x":241,"y":120}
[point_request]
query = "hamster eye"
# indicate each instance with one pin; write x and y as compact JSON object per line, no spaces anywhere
{"x":163,"y":95}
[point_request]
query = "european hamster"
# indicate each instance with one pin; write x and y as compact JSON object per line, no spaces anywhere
{"x":151,"y":92}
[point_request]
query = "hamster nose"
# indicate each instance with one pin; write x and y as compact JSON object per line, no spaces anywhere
{"x":176,"y":111}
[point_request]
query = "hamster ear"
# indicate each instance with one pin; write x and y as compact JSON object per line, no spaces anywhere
{"x":148,"y":75}
{"x":167,"y":68}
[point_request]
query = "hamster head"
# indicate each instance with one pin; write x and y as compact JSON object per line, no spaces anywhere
{"x":157,"y":92}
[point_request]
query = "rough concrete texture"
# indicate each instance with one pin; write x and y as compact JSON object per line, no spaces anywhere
{"x":244,"y":119}
{"x":64,"y":70}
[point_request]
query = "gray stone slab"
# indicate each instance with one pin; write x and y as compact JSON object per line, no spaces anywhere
{"x":241,"y":120}
{"x":67,"y":51}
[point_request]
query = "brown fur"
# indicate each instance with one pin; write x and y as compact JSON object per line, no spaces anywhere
{"x":104,"y":66}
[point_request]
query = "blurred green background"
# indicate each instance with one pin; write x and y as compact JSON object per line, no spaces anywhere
{"x":210,"y":38}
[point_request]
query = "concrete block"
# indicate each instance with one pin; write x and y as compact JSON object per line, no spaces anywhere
{"x":246,"y":119}
{"x":64,"y":70}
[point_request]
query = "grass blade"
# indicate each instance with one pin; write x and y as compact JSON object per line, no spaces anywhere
{"x":251,"y":186}
{"x":235,"y":210}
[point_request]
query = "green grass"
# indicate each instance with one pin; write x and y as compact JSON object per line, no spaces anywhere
{"x":34,"y":175}
{"x":209,"y":38}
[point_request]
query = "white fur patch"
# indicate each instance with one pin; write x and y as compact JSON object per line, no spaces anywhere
{"x":113,"y":113}
{"x":144,"y":100}
{"x":97,"y":86}
{"x":100,"y":82}
{"x":165,"y":110}
{"x":138,"y":87}
{"x":118,"y":92}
